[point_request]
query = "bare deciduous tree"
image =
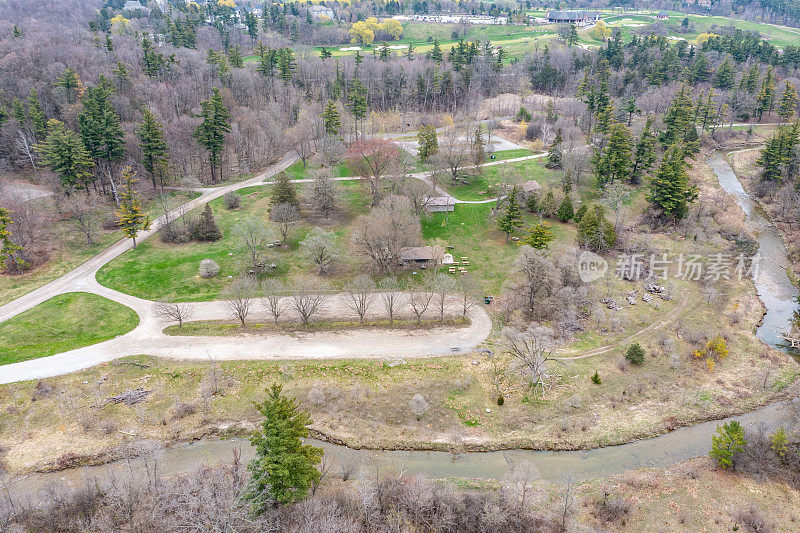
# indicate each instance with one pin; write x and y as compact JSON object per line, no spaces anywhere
{"x":379,"y":235}
{"x":285,"y":216}
{"x":253,"y":237}
{"x":533,"y":351}
{"x":390,"y":297}
{"x":467,"y":292}
{"x":373,"y":160}
{"x":454,"y":151}
{"x":83,"y":209}
{"x":239,"y":298}
{"x":360,"y":295}
{"x":307,"y":299}
{"x":443,"y":287}
{"x":320,"y":247}
{"x":419,"y":299}
{"x":273,"y":291}
{"x":172,"y":311}
{"x":324,"y":195}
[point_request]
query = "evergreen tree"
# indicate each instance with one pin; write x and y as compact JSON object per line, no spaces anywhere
{"x":286,"y":64}
{"x":548,"y":207}
{"x":154,"y":147}
{"x":614,"y":160}
{"x":679,"y":124}
{"x":580,"y":212}
{"x":436,"y":52}
{"x":478,"y":147}
{"x":210,"y":134}
{"x":511,"y":219}
{"x":284,"y":468}
{"x":153,"y":61}
{"x":36,"y":115}
{"x":595,"y":232}
{"x":206,"y":229}
{"x":283,"y":192}
{"x":631,"y":109}
{"x":635,"y":354}
{"x":100,"y":127}
{"x":788,"y":104}
{"x":565,"y":210}
{"x":63,"y":151}
{"x":765,"y":100}
{"x":70,"y":82}
{"x":572,"y":36}
{"x":129,"y":215}
{"x":358,"y":101}
{"x":727,"y":444}
{"x":539,"y":236}
{"x":645,"y":153}
{"x":9,"y":250}
{"x":409,"y":52}
{"x":324,"y":53}
{"x":428,"y":142}
{"x":701,"y":71}
{"x":331,"y":120}
{"x":670,"y":189}
{"x":778,"y":159}
{"x":749,"y":80}
{"x":16,"y":32}
{"x":554,"y":155}
{"x":235,"y":57}
{"x":723,"y":77}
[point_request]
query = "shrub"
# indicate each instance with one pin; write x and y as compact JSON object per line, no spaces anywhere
{"x":611,"y":510}
{"x":523,"y":115}
{"x":501,"y":400}
{"x":754,"y":520}
{"x":175,"y":232}
{"x":232,"y":200}
{"x":316,"y":396}
{"x":565,"y":211}
{"x":419,"y":406}
{"x":182,"y":410}
{"x":596,"y":378}
{"x":208,"y":268}
{"x":635,"y":354}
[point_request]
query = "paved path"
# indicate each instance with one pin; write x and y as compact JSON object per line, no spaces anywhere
{"x":148,"y":337}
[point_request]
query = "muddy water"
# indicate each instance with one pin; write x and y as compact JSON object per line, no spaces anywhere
{"x":682,"y":444}
{"x":772,"y":283}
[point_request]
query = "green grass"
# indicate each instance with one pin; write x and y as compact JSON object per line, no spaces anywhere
{"x":473,"y":233}
{"x":65,"y":322}
{"x":159,"y":270}
{"x":480,"y":187}
{"x":221,"y":328}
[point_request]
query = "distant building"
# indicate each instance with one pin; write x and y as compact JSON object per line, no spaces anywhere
{"x":579,"y":18}
{"x":318,"y":11}
{"x":440,"y":204}
{"x":662,"y":16}
{"x":423,"y":255}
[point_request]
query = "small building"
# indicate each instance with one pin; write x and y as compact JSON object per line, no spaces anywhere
{"x":531,"y":187}
{"x":318,"y":11}
{"x":440,"y":204}
{"x":662,"y":16}
{"x":579,"y":18}
{"x":424,"y":255}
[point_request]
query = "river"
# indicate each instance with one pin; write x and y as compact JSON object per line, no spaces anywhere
{"x":773,"y":287}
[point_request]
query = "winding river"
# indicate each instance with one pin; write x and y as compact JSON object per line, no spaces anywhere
{"x":773,"y":288}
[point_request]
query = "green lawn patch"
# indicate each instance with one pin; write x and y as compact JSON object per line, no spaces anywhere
{"x":65,"y":322}
{"x":481,"y":186}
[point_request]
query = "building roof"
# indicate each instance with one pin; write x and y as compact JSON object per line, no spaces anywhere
{"x":531,"y":186}
{"x":421,"y":253}
{"x":440,"y":201}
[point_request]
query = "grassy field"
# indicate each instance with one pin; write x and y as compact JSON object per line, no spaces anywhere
{"x":65,"y":322}
{"x":480,"y":185}
{"x":223,"y":328}
{"x":71,"y":250}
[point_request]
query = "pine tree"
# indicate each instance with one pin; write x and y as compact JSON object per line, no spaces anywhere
{"x":9,"y":250}
{"x":324,"y":53}
{"x":36,"y":115}
{"x":409,"y":52}
{"x":129,"y":215}
{"x":749,"y":81}
{"x":478,"y":147}
{"x":614,"y":160}
{"x":428,"y":142}
{"x":539,"y":236}
{"x":154,"y":147}
{"x":701,"y":71}
{"x":679,"y":124}
{"x":284,"y":468}
{"x":580,"y":212}
{"x":572,"y":36}
{"x":565,"y":211}
{"x":670,"y":189}
{"x":779,"y":156}
{"x":64,"y":152}
{"x":645,"y":153}
{"x":511,"y":219}
{"x":283,"y":192}
{"x":235,"y":57}
{"x":727,"y":443}
{"x":554,"y":155}
{"x":723,"y":77}
{"x":635,"y":354}
{"x":548,"y":206}
{"x":358,"y":101}
{"x":210,"y":134}
{"x":69,"y":82}
{"x":100,"y":127}
{"x":331,"y":119}
{"x":206,"y":229}
{"x":788,"y":103}
{"x":16,"y":32}
{"x":595,"y":232}
{"x":286,"y":64}
{"x":436,"y":52}
{"x":766,"y":95}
